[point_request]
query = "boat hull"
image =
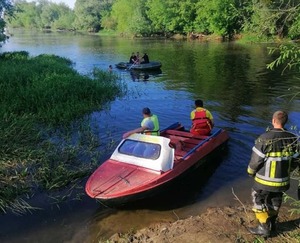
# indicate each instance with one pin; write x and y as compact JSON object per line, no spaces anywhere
{"x":116,"y":183}
{"x":140,"y":67}
{"x":160,"y":191}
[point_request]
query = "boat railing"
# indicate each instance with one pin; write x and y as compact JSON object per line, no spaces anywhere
{"x":202,"y":142}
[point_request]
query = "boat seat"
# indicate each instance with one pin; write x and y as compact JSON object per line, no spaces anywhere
{"x":177,"y":145}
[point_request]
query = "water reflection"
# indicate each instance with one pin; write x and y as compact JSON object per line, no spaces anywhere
{"x":137,"y":76}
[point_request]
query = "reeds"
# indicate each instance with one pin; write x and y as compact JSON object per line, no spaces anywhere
{"x":43,"y":104}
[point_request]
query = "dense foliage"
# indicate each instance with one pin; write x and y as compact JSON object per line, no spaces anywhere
{"x":43,"y":15}
{"x":224,"y":18}
{"x":279,"y":18}
{"x":6,"y":9}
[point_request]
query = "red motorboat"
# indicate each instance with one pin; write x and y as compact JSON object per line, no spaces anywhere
{"x":144,"y":165}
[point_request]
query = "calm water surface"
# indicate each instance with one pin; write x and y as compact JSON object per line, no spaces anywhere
{"x":236,"y":87}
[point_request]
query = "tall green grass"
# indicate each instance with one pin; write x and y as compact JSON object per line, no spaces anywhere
{"x":43,"y":104}
{"x":49,"y":89}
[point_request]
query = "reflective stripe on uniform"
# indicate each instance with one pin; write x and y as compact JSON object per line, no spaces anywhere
{"x":250,"y":171}
{"x":267,"y":178}
{"x":260,"y":154}
{"x":272,"y":169}
{"x":278,"y":158}
{"x":280,"y":154}
{"x":272,"y":183}
{"x":271,"y":164}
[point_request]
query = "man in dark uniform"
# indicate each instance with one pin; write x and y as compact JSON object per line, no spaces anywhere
{"x":273,"y":155}
{"x":145,"y":58}
{"x":132,"y":58}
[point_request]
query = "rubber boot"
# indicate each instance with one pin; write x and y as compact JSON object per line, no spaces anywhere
{"x":273,"y":214}
{"x":264,"y":227}
{"x":262,"y":230}
{"x":273,"y":223}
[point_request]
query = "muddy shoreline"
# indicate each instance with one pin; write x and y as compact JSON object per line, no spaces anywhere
{"x":225,"y":224}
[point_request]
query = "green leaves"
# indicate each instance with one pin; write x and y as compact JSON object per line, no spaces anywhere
{"x":6,"y":8}
{"x":274,"y":18}
{"x":130,"y":17}
{"x":171,"y":16}
{"x":226,"y":18}
{"x":222,"y":17}
{"x":42,"y":15}
{"x":288,"y":57}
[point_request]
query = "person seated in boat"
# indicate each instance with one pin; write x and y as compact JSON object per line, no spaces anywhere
{"x":145,"y":58}
{"x":202,"y":120}
{"x":149,"y":125}
{"x":132,"y":58}
{"x":138,"y":58}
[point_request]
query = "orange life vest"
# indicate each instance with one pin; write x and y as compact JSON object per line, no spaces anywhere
{"x":202,"y":125}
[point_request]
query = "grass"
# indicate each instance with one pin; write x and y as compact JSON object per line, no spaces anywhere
{"x":46,"y":141}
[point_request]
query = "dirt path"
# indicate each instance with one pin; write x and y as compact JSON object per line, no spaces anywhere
{"x":216,"y":225}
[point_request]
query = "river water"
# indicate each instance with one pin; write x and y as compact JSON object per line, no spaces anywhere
{"x":235,"y":85}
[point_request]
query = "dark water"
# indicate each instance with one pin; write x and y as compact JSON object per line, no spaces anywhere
{"x":236,"y":87}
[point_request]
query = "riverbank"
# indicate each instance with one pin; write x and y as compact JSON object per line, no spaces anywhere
{"x":225,"y":224}
{"x":47,"y":144}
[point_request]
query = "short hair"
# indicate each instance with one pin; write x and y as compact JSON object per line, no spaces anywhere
{"x":146,"y":111}
{"x":198,"y":103}
{"x":281,"y":117}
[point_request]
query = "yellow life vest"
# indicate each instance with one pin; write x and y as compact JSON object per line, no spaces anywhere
{"x":154,"y":119}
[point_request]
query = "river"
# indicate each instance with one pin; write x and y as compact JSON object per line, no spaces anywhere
{"x":235,"y":85}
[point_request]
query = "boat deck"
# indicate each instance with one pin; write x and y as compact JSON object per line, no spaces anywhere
{"x":183,"y":141}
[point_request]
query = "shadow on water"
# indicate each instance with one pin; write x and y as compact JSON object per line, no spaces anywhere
{"x":137,"y":76}
{"x":186,"y":189}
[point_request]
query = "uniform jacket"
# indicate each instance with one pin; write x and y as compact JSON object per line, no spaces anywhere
{"x":273,"y":157}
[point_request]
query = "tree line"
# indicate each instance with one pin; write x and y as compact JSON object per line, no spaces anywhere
{"x":226,"y":18}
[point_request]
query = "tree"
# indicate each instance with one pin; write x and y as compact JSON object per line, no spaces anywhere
{"x":288,"y":57}
{"x":221,"y":17}
{"x":271,"y":18}
{"x":66,"y":18}
{"x":42,"y":14}
{"x":107,"y":22}
{"x":158,"y":14}
{"x":6,"y":8}
{"x":57,"y":16}
{"x":89,"y":13}
{"x":49,"y":14}
{"x":130,"y":17}
{"x":26,"y":15}
{"x":294,"y":30}
{"x":171,"y":16}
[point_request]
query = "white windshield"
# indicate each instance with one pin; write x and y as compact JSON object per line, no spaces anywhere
{"x":140,"y":149}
